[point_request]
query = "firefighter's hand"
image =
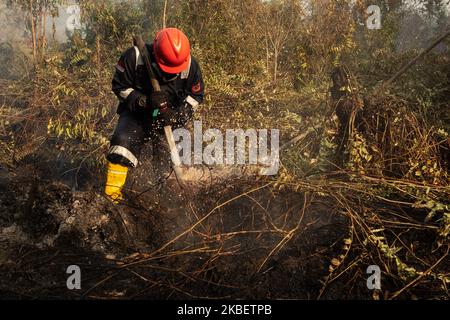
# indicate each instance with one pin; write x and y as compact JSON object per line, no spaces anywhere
{"x":186,"y":112}
{"x":159,"y":100}
{"x":136,"y":100}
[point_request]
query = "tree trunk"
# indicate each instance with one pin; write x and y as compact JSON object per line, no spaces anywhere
{"x":267,"y":54}
{"x":165,"y":13}
{"x":98,"y":60}
{"x":44,"y":31}
{"x":33,"y":31}
{"x":275,"y":64}
{"x":33,"y":36}
{"x":40,"y":31}
{"x":53,"y":29}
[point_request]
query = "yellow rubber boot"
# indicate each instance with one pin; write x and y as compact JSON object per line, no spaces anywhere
{"x":115,"y":180}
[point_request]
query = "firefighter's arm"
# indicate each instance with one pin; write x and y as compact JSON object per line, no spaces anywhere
{"x":123,"y":82}
{"x":197,"y":88}
{"x":196,"y":91}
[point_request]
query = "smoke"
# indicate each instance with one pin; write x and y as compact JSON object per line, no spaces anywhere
{"x":15,"y":24}
{"x":12,"y":24}
{"x":16,"y":43}
{"x":418,"y":28}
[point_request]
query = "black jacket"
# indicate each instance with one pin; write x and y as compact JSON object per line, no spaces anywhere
{"x":132,"y":75}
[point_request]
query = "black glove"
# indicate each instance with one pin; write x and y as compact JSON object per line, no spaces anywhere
{"x":136,"y":100}
{"x":159,"y":100}
{"x":186,"y":112}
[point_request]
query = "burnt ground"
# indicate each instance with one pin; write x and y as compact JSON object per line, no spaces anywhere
{"x":263,"y":244}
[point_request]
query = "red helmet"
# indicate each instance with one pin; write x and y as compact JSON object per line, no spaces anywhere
{"x":172,"y":50}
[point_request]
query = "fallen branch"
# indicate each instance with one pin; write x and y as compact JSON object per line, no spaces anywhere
{"x":379,"y":89}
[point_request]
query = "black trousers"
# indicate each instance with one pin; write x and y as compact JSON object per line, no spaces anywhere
{"x":132,"y":132}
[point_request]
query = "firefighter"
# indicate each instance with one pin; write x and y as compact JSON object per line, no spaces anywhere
{"x":144,"y":112}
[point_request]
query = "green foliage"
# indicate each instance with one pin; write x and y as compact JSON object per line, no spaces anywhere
{"x":115,"y":22}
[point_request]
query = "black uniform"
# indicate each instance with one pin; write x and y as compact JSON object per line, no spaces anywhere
{"x":137,"y":124}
